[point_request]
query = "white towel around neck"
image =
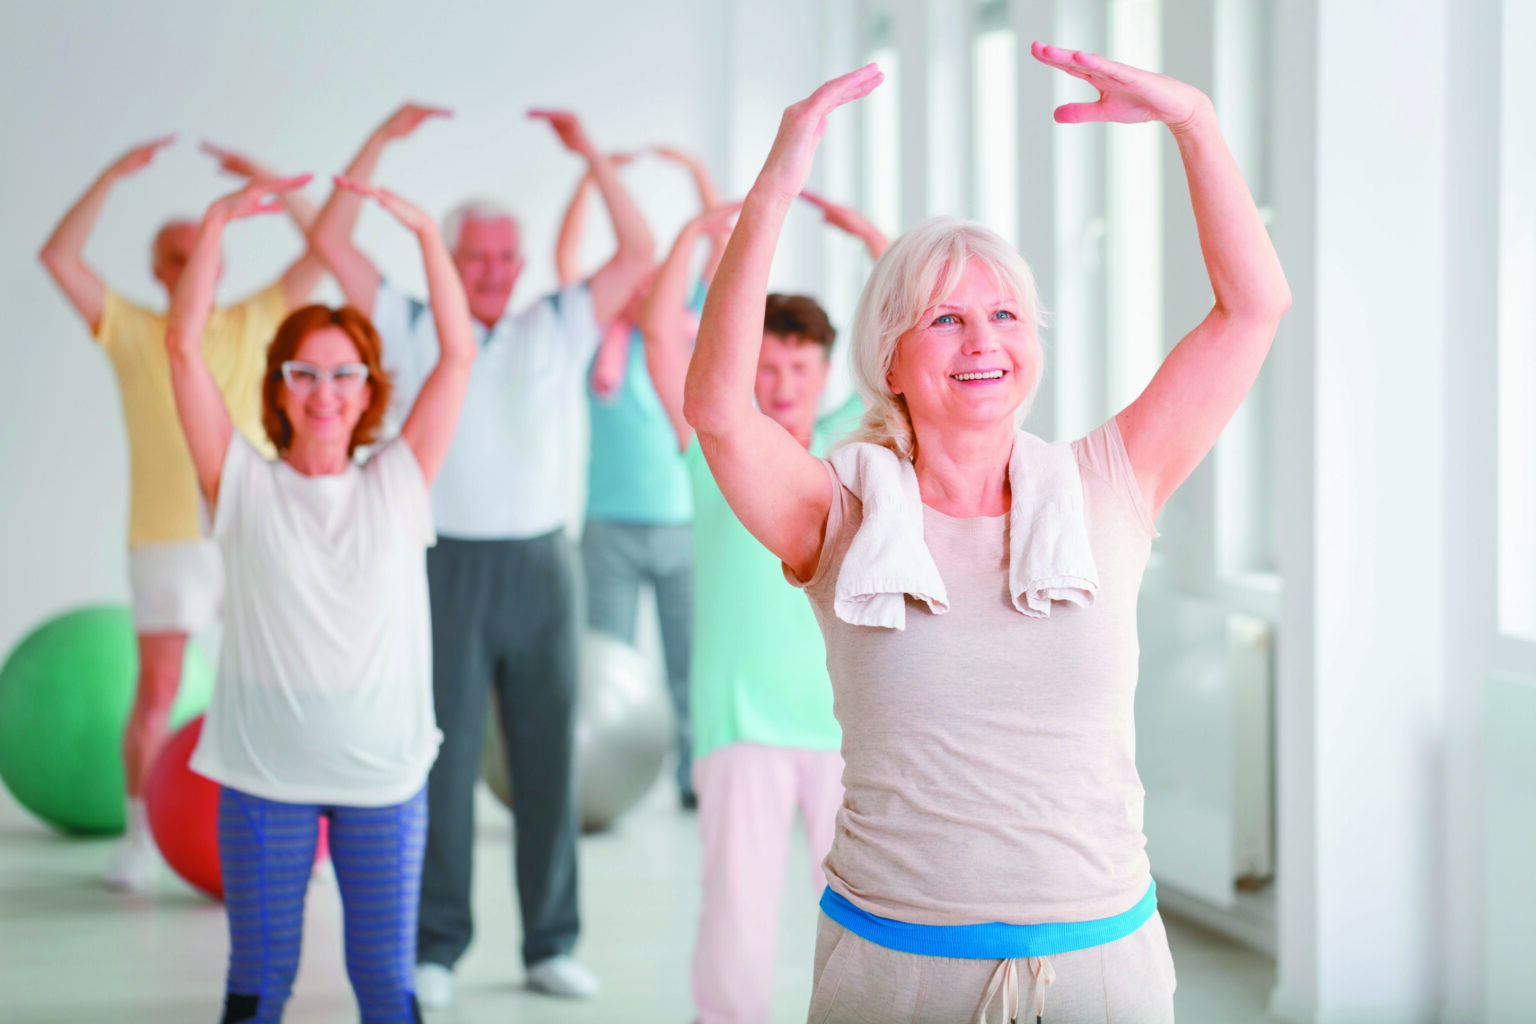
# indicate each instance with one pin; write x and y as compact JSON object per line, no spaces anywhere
{"x":1049,"y":558}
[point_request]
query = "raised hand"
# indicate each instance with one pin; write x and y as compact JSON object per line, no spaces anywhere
{"x":804,"y":123}
{"x":838,"y":216}
{"x":718,"y":221}
{"x":406,"y":212}
{"x":1127,"y":95}
{"x":258,"y":196}
{"x":231,"y":162}
{"x":568,"y":127}
{"x":406,"y":120}
{"x":139,"y":156}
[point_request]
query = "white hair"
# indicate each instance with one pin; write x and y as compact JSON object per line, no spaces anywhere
{"x":472,"y":209}
{"x":921,"y":269}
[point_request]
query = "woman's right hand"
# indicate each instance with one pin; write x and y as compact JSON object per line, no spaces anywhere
{"x":405,"y":211}
{"x":405,"y":120}
{"x":138,"y":157}
{"x":258,"y":196}
{"x":789,"y":161}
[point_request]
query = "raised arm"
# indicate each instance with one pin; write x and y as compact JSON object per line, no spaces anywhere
{"x":709,"y":198}
{"x":64,"y":252}
{"x":668,"y":342}
{"x":303,"y":275}
{"x":429,"y":426}
{"x":846,"y":218}
{"x":1170,"y":427}
{"x":204,"y":419}
{"x":574,"y":224}
{"x":635,"y":254}
{"x":568,"y":244}
{"x":332,"y":234}
{"x":778,"y":490}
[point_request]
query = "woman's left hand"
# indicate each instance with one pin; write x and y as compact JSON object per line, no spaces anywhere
{"x":406,"y":212}
{"x":258,"y":196}
{"x":1126,"y":95}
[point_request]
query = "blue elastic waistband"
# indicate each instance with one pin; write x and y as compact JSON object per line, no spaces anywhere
{"x":987,"y":941}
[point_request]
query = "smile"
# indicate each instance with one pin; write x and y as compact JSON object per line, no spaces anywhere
{"x":979,"y":375}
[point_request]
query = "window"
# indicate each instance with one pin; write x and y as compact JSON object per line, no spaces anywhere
{"x":880,"y":114}
{"x":1517,"y":335}
{"x":995,"y":120}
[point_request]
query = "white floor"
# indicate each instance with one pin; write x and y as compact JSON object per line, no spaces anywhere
{"x":71,"y":951}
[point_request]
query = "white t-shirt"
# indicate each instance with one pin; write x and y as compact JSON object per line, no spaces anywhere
{"x":513,"y":469}
{"x":325,"y":681}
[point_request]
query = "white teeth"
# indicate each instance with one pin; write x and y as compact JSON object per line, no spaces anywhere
{"x":983,"y":375}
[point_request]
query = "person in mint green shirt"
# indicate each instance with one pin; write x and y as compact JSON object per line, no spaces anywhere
{"x":765,"y":742}
{"x":638,"y":529}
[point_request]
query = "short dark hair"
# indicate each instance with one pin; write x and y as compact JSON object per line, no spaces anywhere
{"x":799,"y":316}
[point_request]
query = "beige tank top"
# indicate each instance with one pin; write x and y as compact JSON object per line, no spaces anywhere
{"x":991,"y":757}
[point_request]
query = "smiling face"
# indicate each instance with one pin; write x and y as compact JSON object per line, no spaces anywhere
{"x":488,"y":254}
{"x":328,"y":414}
{"x":791,"y":373}
{"x":972,"y":360}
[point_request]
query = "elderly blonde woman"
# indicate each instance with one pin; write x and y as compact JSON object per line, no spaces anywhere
{"x":976,"y":588}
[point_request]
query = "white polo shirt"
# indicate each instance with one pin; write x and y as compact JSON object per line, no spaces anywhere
{"x":513,"y":469}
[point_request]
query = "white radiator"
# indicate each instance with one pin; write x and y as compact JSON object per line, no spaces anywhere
{"x":1509,"y":848}
{"x":1204,"y":732}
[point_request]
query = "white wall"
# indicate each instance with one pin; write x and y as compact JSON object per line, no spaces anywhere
{"x":299,"y":85}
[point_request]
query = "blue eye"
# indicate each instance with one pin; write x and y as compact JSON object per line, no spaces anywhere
{"x":945,"y":318}
{"x":1002,"y":313}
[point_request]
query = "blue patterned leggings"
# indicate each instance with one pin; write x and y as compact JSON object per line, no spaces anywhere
{"x":266,"y":852}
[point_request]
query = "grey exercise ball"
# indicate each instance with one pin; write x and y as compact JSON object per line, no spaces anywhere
{"x":623,"y":732}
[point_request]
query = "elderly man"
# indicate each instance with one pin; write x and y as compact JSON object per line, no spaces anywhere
{"x":174,"y":574}
{"x":502,"y":576}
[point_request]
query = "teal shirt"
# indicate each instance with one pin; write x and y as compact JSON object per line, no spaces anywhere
{"x":759,"y":670}
{"x":636,"y":473}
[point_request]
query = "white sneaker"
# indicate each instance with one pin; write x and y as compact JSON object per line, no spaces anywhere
{"x":562,"y":976}
{"x":434,"y":985}
{"x":135,"y":866}
{"x":136,"y":861}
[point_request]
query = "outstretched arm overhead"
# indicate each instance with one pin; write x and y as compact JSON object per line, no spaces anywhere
{"x":429,"y":426}
{"x":636,"y":252}
{"x":332,"y":234}
{"x":778,"y":490}
{"x":303,"y":274}
{"x":204,"y":419}
{"x":1173,"y":423}
{"x":668,"y":343}
{"x":64,"y":252}
{"x":574,"y":223}
{"x":846,"y":218}
{"x":709,"y":198}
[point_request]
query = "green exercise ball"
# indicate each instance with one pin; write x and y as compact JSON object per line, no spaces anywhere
{"x":65,"y":694}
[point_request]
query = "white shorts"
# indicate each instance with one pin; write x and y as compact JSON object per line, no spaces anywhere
{"x":177,"y":587}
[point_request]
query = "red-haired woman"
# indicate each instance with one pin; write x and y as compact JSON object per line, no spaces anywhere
{"x":324,"y":699}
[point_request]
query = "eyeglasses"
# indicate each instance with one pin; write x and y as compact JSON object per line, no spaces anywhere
{"x":304,"y":378}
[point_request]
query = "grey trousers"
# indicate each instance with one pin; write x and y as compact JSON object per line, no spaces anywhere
{"x":618,"y":558}
{"x":504,"y":614}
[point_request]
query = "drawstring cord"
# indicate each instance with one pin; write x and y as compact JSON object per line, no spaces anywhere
{"x":1005,"y":982}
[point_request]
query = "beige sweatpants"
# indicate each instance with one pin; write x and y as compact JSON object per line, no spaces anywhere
{"x":1128,"y":981}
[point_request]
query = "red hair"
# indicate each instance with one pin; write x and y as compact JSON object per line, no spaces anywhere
{"x":300,"y":324}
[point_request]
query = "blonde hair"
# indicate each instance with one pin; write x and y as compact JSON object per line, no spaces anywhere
{"x":921,"y":269}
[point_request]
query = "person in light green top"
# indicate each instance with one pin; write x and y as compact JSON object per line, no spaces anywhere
{"x":765,"y":742}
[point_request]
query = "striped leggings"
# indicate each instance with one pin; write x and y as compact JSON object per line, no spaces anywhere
{"x":266,"y":852}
